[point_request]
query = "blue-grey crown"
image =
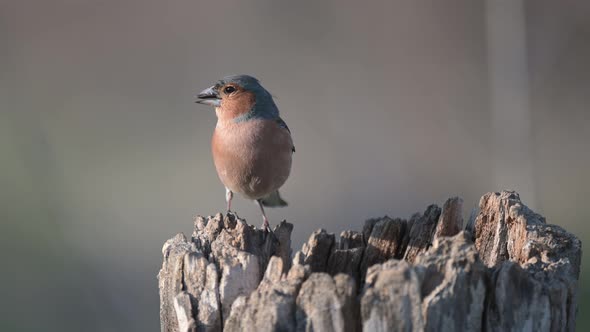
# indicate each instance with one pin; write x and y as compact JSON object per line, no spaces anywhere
{"x":246,"y":81}
{"x":264,"y":108}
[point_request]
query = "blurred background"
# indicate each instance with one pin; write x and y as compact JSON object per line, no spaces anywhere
{"x":393,"y":105}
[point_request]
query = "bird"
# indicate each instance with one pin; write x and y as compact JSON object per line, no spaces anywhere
{"x":251,"y":145}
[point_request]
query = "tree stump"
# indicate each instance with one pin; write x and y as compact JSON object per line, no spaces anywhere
{"x":508,"y":270}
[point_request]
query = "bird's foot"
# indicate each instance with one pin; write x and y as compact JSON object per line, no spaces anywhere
{"x":266,"y":226}
{"x":235,"y":214}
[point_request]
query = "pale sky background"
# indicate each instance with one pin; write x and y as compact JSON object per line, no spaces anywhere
{"x":105,"y":155}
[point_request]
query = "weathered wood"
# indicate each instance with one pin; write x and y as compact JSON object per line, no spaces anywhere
{"x":316,"y":251}
{"x":451,"y":218}
{"x":347,"y":256}
{"x":508,"y":271}
{"x":327,"y":303}
{"x":171,"y":279}
{"x":421,"y":233}
{"x":272,"y":306}
{"x":391,"y":298}
{"x":384,"y":240}
{"x":453,"y":285}
{"x":225,"y":258}
{"x":545,"y":293}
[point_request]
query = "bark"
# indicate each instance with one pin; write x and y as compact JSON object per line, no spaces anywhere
{"x":507,"y":271}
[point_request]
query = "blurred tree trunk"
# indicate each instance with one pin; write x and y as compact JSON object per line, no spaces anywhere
{"x":509,"y":96}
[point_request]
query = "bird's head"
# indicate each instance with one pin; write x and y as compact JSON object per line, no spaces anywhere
{"x":239,"y":98}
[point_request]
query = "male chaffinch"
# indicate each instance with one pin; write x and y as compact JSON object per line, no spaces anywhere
{"x":251,"y":144}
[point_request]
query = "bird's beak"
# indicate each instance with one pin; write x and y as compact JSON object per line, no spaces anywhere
{"x":209,"y":97}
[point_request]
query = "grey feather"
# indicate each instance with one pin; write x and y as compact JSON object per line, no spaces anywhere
{"x":273,"y":200}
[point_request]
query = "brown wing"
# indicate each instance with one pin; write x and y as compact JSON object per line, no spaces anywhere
{"x":283,"y":124}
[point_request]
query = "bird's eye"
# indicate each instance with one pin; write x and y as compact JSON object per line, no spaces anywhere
{"x":229,"y":89}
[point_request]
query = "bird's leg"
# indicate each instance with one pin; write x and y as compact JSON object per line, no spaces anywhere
{"x":265,"y":224}
{"x":228,"y":196}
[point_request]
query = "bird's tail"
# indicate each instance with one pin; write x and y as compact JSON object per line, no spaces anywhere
{"x":273,"y":200}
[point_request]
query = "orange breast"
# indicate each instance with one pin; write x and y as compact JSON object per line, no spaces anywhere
{"x":252,"y":157}
{"x":232,"y":107}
